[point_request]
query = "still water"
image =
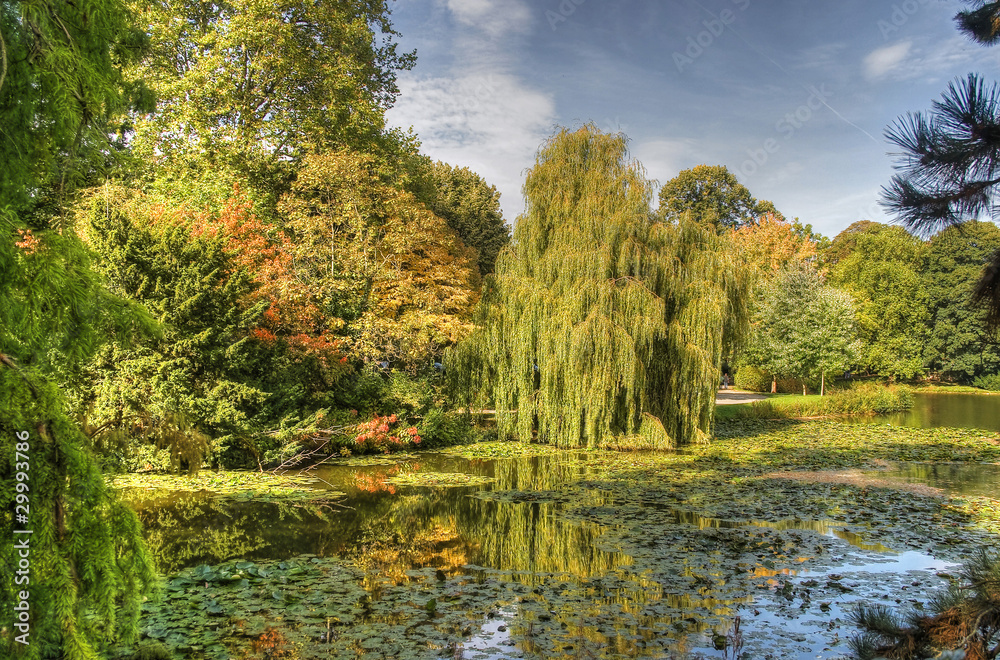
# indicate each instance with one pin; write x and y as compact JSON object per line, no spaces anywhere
{"x":561,"y":555}
{"x":558,"y":555}
{"x":938,"y":409}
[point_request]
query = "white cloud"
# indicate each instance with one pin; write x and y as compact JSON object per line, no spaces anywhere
{"x":492,"y":123}
{"x":882,"y":61}
{"x":495,"y":18}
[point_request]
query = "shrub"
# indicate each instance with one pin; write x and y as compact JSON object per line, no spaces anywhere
{"x":990,"y":382}
{"x":385,"y":434}
{"x":752,"y":379}
{"x":443,"y":429}
{"x":864,"y":399}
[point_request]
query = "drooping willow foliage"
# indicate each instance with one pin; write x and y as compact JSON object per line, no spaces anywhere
{"x":604,"y":325}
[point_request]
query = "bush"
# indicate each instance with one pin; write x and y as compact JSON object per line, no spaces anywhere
{"x":989,"y":382}
{"x":752,"y":379}
{"x":386,"y":435}
{"x":443,"y":429}
{"x":789,"y":385}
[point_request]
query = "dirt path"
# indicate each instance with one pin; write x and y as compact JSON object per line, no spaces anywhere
{"x":728,"y":397}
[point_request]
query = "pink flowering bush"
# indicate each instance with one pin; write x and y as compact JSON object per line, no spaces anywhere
{"x":386,"y":435}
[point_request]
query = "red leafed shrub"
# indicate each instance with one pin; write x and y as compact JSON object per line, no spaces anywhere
{"x":385,"y":434}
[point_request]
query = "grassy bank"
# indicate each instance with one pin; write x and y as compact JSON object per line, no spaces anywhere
{"x":860,"y":400}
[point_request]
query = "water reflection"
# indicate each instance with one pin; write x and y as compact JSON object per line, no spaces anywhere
{"x":957,"y":479}
{"x":566,"y":586}
{"x":393,"y":528}
{"x":938,"y":409}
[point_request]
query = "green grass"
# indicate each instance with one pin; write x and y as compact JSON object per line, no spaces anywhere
{"x":864,"y":399}
{"x":950,"y":388}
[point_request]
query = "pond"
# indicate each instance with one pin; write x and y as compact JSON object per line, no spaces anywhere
{"x":522,"y":551}
{"x":942,"y":409}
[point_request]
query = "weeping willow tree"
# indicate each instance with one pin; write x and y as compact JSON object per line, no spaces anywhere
{"x":604,"y":325}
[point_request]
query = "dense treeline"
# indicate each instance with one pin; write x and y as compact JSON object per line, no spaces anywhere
{"x":910,"y":309}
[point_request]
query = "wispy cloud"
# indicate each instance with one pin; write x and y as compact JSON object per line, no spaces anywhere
{"x":492,"y":123}
{"x":494,"y":18}
{"x":882,"y":61}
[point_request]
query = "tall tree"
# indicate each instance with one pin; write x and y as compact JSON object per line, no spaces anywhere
{"x":882,"y":272}
{"x":950,"y":159}
{"x":471,"y":207}
{"x":251,"y":87}
{"x":61,"y":84}
{"x":713,"y":194}
{"x":603,"y":322}
{"x":83,"y":567}
{"x":958,"y":344}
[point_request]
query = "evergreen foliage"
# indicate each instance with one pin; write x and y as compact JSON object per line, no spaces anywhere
{"x":472,"y":208}
{"x":225,"y":366}
{"x":603,"y":322}
{"x":958,"y":344}
{"x":965,"y":618}
{"x":950,"y":157}
{"x":88,"y":567}
{"x":61,"y":84}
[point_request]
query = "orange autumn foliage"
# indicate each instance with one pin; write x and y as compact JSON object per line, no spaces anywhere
{"x":771,"y":243}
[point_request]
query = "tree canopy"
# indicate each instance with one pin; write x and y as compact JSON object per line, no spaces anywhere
{"x":713,"y":194}
{"x":61,"y":84}
{"x":800,"y":326}
{"x":958,"y":344}
{"x":603,"y":324}
{"x":882,"y":272}
{"x":471,"y":207}
{"x":246,"y":89}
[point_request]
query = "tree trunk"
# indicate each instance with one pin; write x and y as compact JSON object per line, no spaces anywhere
{"x":822,"y":383}
{"x":774,"y":384}
{"x":803,"y":387}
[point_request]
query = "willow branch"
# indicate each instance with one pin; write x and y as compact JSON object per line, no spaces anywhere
{"x":3,"y":60}
{"x":8,"y":362}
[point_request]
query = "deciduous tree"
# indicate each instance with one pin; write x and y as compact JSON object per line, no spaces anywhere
{"x":604,"y":325}
{"x":958,"y":344}
{"x":401,"y":282}
{"x":882,"y":272}
{"x":252,"y":87}
{"x":713,"y":194}
{"x":801,"y":327}
{"x":772,"y":243}
{"x":471,"y":207}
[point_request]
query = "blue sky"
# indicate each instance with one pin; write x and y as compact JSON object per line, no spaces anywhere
{"x":792,"y":96}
